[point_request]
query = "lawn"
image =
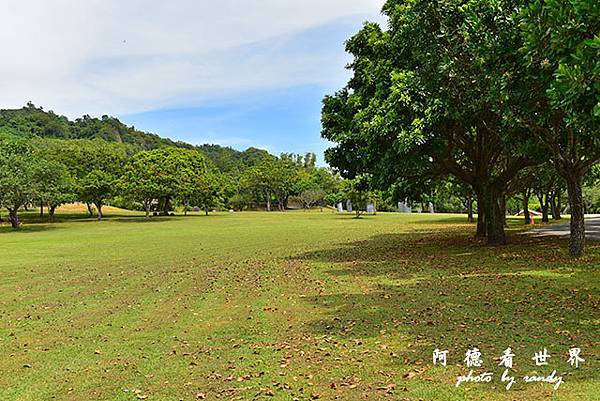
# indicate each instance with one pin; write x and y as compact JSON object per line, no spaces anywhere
{"x":284,"y":306}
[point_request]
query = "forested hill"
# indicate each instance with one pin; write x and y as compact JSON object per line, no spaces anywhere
{"x":32,"y":121}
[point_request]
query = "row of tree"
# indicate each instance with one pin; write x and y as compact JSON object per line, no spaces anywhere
{"x":485,"y":92}
{"x":49,"y":172}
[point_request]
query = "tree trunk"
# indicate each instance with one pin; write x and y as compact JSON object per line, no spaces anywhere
{"x":494,"y":217}
{"x":99,"y":208}
{"x":206,"y":210}
{"x":577,"y":239}
{"x":545,"y":218}
{"x":503,"y":209}
{"x":89,"y":208}
{"x":554,"y":205}
{"x":526,"y":214}
{"x":166,"y":206}
{"x":147,"y":208}
{"x":470,"y":218}
{"x":268,"y":202}
{"x":51,"y":210}
{"x":13,"y":216}
{"x":41,"y":209}
{"x":481,"y":225}
{"x":543,"y":198}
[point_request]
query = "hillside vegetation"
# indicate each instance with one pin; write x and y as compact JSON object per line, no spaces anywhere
{"x":31,"y":122}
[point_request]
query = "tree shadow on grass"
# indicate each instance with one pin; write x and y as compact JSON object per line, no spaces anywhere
{"x":448,"y":291}
{"x":438,"y":218}
{"x":31,"y":217}
{"x":35,"y":223}
{"x":158,"y":219}
{"x":141,"y":219}
{"x":27,"y":228}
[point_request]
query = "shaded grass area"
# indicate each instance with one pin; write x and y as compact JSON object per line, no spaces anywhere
{"x":283,"y":306}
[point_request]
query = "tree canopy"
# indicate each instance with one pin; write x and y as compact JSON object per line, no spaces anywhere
{"x":438,"y":93}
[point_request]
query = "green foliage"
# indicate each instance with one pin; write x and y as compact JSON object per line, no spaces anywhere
{"x":55,"y":184}
{"x":165,"y":173}
{"x":240,"y":201}
{"x":25,"y":177}
{"x":312,"y":196}
{"x":423,"y":100}
{"x":233,"y":162}
{"x":96,"y":186}
{"x":32,"y":121}
{"x":567,"y":56}
{"x":561,"y":60}
{"x":288,"y":176}
{"x":473,"y":89}
{"x":261,"y":181}
{"x":357,"y":192}
{"x":206,"y":190}
{"x":80,"y":156}
{"x":560,"y":95}
{"x":111,"y":164}
{"x":95,"y":166}
{"x":18,"y":177}
{"x":139,"y":182}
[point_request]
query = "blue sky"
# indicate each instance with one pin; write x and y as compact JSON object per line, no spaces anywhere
{"x":279,"y":118}
{"x":238,"y":73}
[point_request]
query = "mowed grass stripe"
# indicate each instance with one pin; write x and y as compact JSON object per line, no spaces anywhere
{"x":283,"y":305}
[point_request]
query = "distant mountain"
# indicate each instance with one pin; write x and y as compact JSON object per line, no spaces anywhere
{"x":32,"y":121}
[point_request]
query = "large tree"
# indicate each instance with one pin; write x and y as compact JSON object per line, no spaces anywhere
{"x":95,"y":166}
{"x":357,"y":192}
{"x":17,"y":173}
{"x":163,"y":175}
{"x":26,"y":177}
{"x":55,"y":186}
{"x":205,"y":190}
{"x":285,"y":176}
{"x":103,"y":165}
{"x":96,"y":187}
{"x":261,"y":180}
{"x":559,"y":98}
{"x":140,"y":181}
{"x":425,"y":99}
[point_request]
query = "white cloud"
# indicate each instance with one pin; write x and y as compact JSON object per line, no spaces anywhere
{"x":127,"y":56}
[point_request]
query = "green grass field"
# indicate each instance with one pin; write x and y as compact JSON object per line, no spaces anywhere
{"x":285,"y":306}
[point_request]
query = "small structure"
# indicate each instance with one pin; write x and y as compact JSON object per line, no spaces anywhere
{"x":340,"y":207}
{"x":531,"y":212}
{"x":403,"y":207}
{"x":431,"y":209}
{"x":370,"y":208}
{"x":349,"y":206}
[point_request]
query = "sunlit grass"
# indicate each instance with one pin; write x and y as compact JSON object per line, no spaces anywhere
{"x":301,"y":305}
